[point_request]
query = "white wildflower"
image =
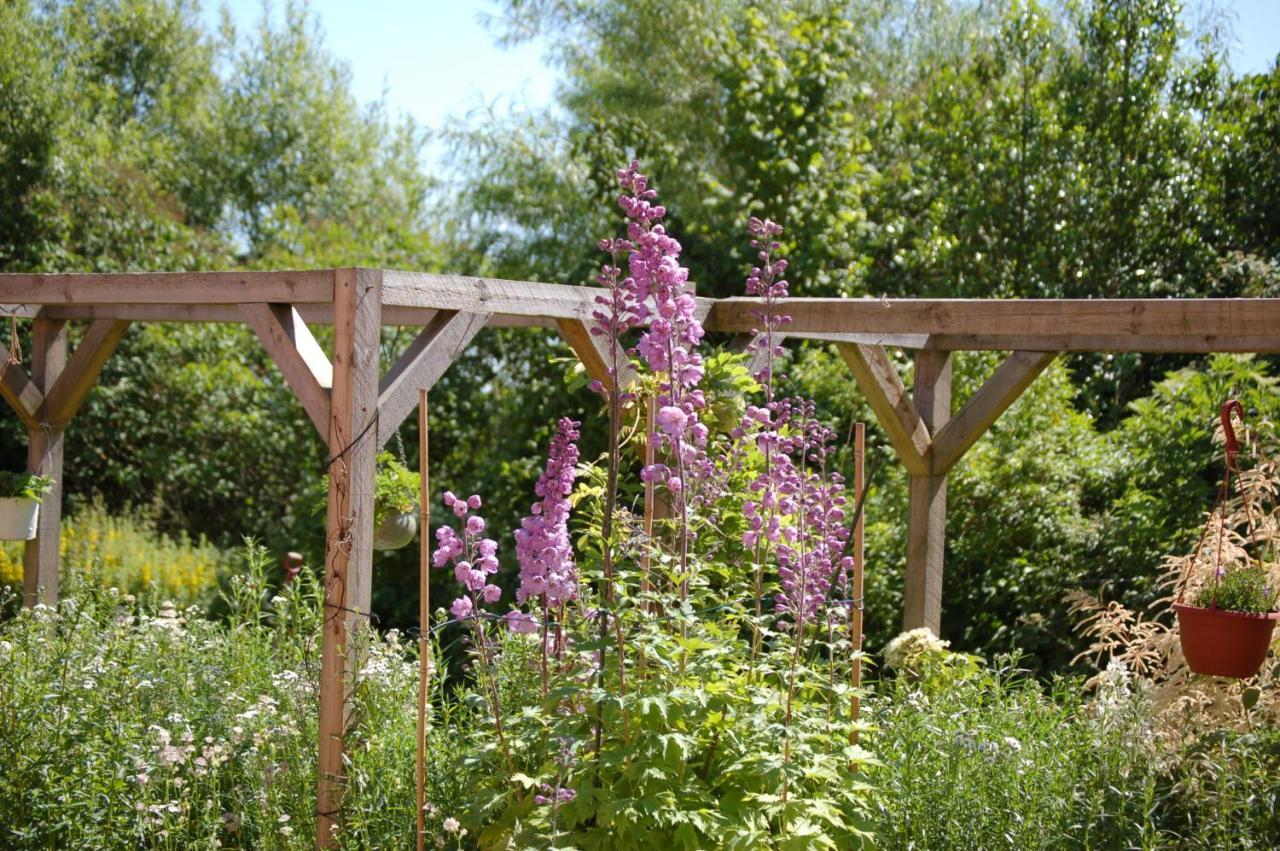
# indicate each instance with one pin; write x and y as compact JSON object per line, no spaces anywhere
{"x":907,"y":648}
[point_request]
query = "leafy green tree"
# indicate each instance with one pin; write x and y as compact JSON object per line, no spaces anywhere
{"x":131,"y":138}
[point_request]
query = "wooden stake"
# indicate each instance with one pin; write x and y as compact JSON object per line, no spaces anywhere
{"x":650,"y":508}
{"x":424,"y":612}
{"x":855,"y":590}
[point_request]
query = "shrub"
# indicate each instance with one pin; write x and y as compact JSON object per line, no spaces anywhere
{"x":995,"y":760}
{"x":127,"y":553}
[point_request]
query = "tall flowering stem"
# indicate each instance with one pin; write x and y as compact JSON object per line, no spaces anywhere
{"x":474,"y":559}
{"x":765,"y":282}
{"x":617,"y":313}
{"x":668,"y":346}
{"x":548,"y":575}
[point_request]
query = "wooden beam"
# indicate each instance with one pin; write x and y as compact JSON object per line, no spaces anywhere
{"x":91,"y":355}
{"x":313,"y":314}
{"x":22,"y":394}
{"x":927,"y":501}
{"x":997,"y":393}
{"x":891,"y":403}
{"x":40,"y":556}
{"x":168,"y":288}
{"x":493,"y":295}
{"x":593,"y":351}
{"x":349,"y":539}
{"x":420,"y":367}
{"x":1139,"y":325}
{"x":303,"y":363}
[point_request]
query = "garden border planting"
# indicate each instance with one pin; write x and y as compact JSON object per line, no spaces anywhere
{"x":355,"y":410}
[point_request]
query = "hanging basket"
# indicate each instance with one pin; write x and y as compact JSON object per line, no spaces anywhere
{"x":18,"y":517}
{"x":395,"y":531}
{"x":1220,"y":642}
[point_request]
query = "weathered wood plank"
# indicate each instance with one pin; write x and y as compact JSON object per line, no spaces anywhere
{"x":167,"y":288}
{"x":1115,"y":317}
{"x":493,"y":295}
{"x":349,"y":539}
{"x":40,"y":556}
{"x":997,"y":393}
{"x":420,"y":367}
{"x":593,"y":352}
{"x":81,"y":374}
{"x":927,"y":501}
{"x":305,"y":366}
{"x":22,"y":394}
{"x":312,"y":314}
{"x":1156,"y":325}
{"x":892,"y":405}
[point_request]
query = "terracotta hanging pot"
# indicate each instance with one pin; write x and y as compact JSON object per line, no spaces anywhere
{"x":1220,"y":643}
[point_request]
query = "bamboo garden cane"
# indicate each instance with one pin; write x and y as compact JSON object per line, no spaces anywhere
{"x":424,"y":612}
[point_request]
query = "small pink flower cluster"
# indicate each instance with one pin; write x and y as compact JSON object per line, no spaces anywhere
{"x":474,"y":559}
{"x":547,"y":570}
{"x":547,"y":794}
{"x":811,"y":551}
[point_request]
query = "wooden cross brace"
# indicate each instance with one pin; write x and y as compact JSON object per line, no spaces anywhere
{"x":930,"y":441}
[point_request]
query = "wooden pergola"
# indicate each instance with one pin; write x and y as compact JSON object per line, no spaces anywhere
{"x":356,"y":410}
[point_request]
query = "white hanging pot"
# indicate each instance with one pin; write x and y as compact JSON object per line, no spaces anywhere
{"x":18,"y":516}
{"x":395,"y":530}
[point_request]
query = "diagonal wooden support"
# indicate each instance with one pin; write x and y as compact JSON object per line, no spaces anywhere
{"x":71,"y":389}
{"x":756,"y":360}
{"x":593,"y":351}
{"x":20,"y":392}
{"x":891,"y":403}
{"x":999,"y":391}
{"x":305,"y":366}
{"x":420,"y":367}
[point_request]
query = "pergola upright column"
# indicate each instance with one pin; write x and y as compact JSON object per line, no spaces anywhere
{"x":927,"y":512}
{"x":353,"y":446}
{"x":44,"y":458}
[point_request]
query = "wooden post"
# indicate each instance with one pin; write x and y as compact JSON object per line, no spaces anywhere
{"x":353,"y":434}
{"x":927,"y":513}
{"x":44,"y":458}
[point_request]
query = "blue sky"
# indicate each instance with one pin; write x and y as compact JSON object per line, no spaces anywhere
{"x":437,"y":62}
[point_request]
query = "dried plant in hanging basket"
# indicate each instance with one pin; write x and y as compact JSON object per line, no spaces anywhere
{"x":1234,"y":564}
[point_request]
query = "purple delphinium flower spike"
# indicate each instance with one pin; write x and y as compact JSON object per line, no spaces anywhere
{"x":547,"y":570}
